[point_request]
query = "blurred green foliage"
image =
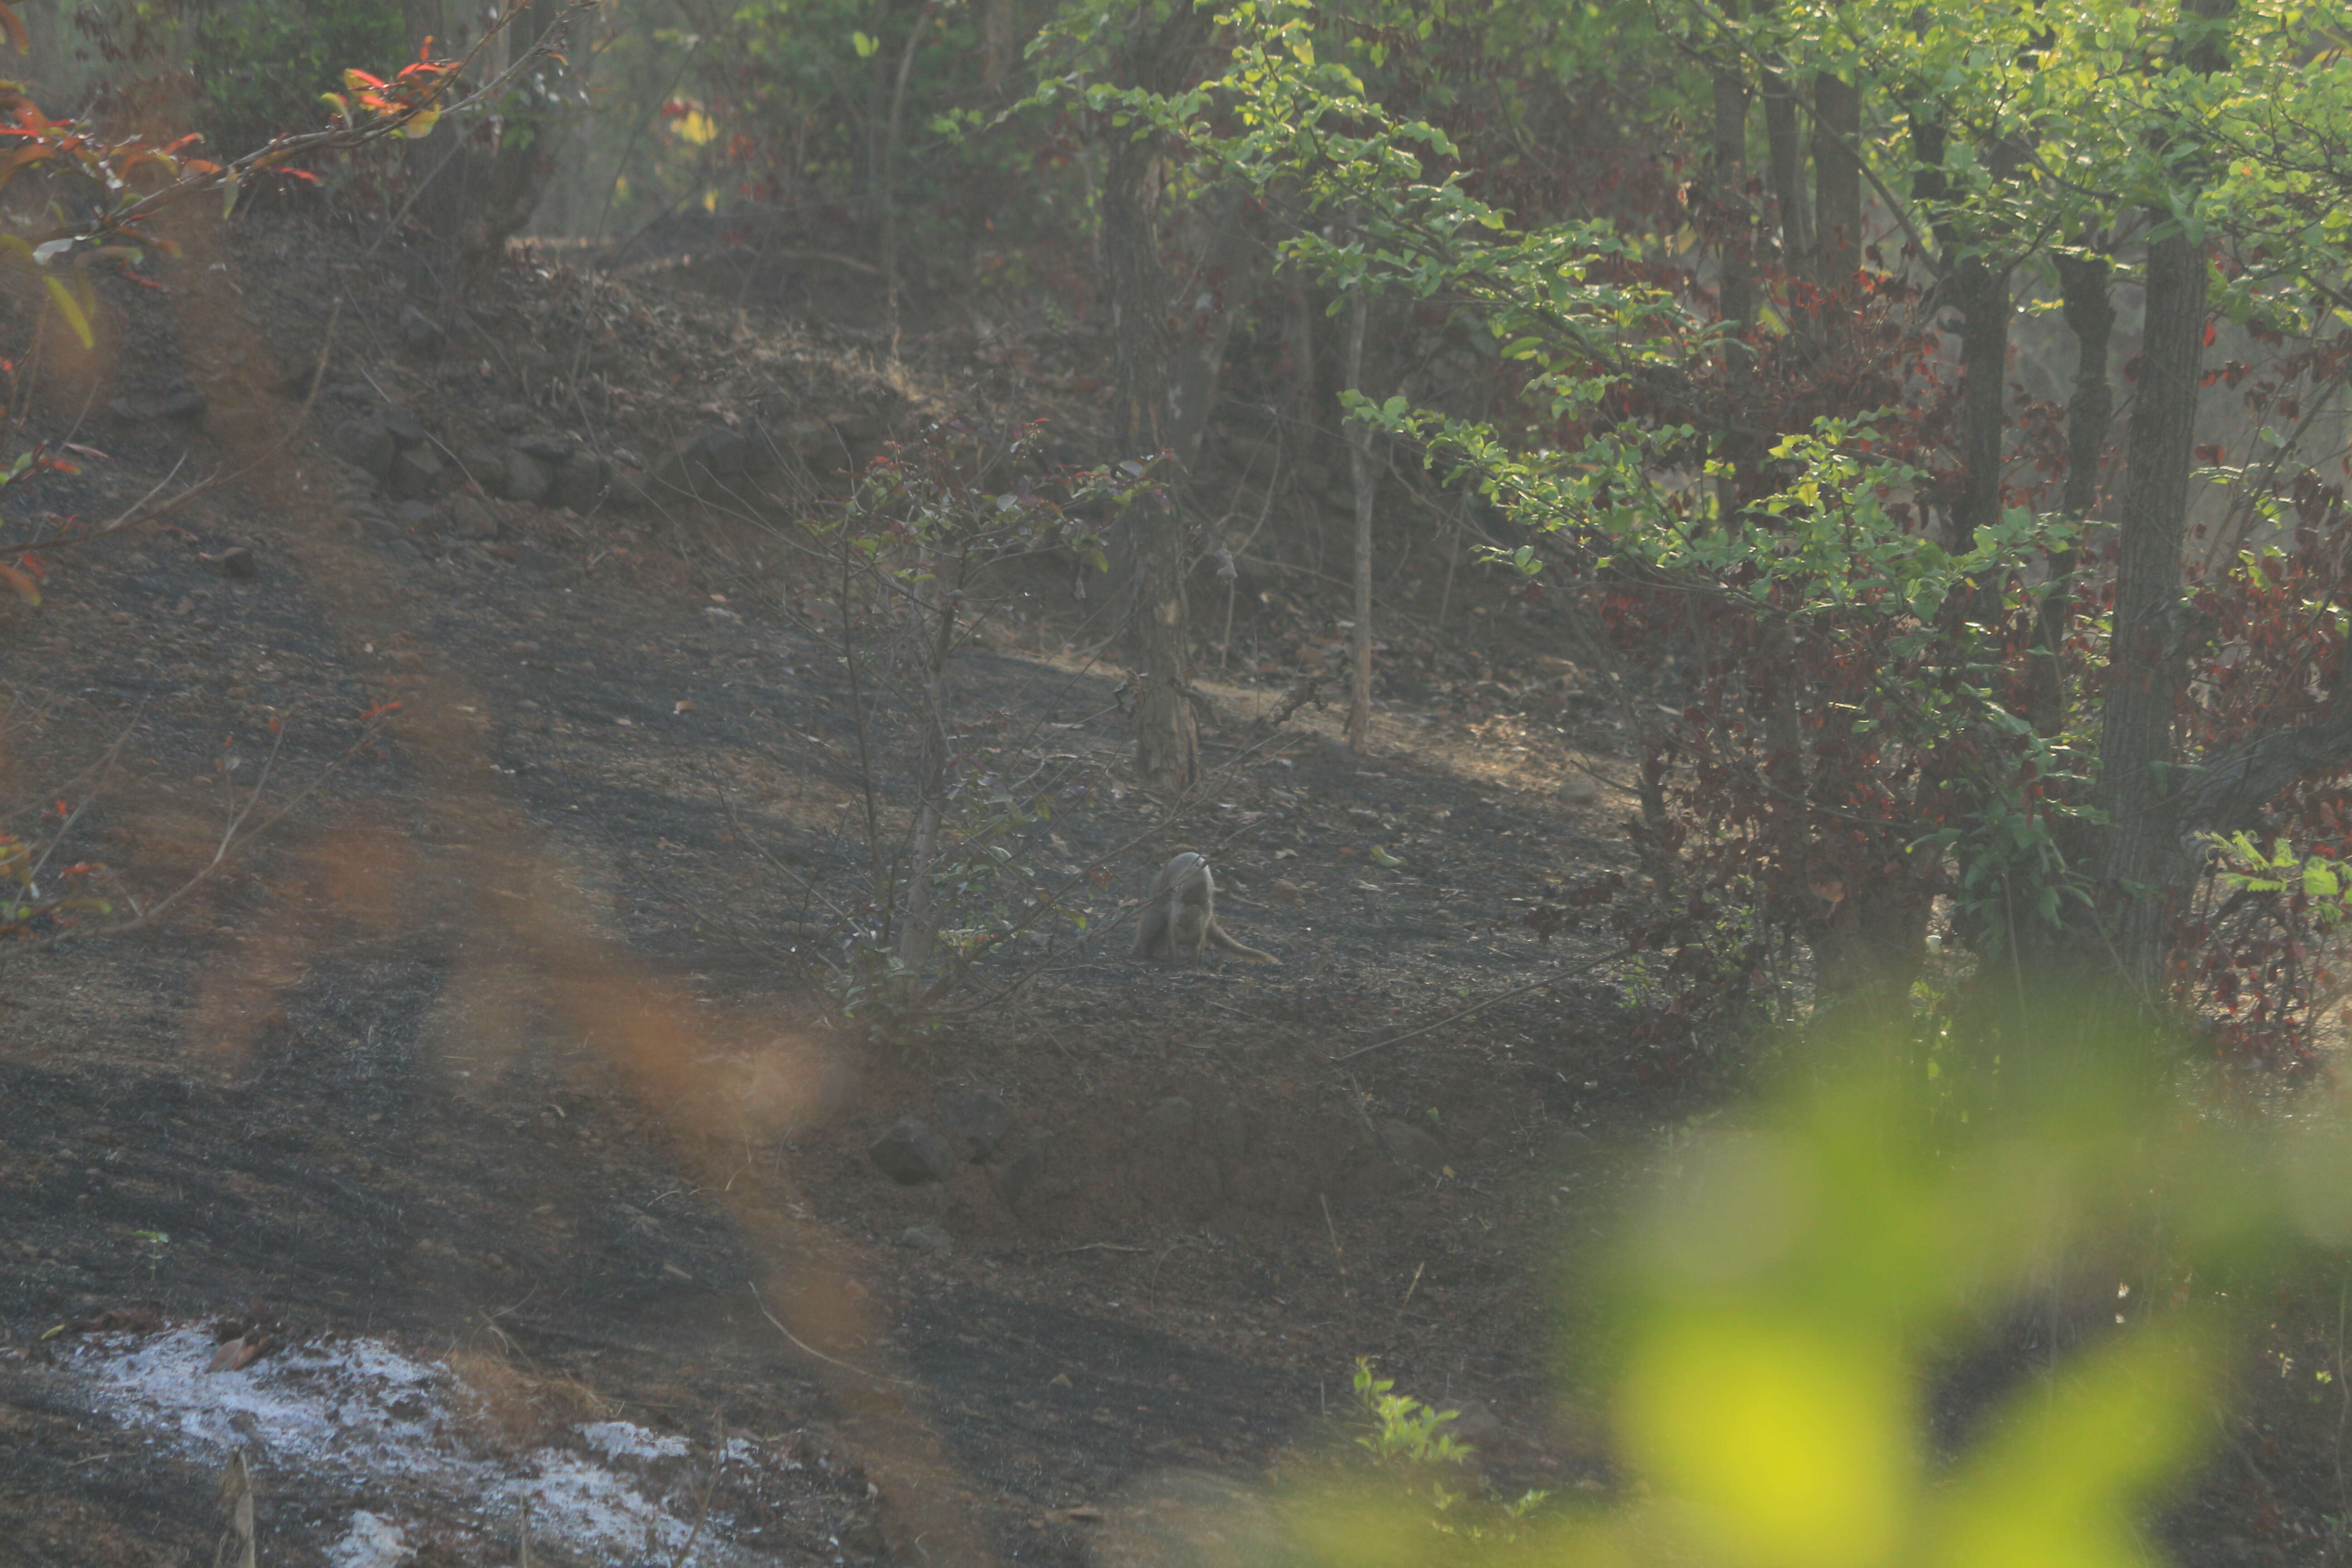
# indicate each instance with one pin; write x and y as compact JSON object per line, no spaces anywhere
{"x":1799,"y":1309}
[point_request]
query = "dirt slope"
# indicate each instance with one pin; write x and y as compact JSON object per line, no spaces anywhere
{"x":486,"y":1054}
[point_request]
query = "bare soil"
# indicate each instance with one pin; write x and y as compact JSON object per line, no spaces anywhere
{"x":495,"y":1048}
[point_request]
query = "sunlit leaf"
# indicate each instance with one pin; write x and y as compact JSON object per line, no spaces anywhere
{"x":2061,"y":1478}
{"x":1792,"y":1439}
{"x":70,"y":308}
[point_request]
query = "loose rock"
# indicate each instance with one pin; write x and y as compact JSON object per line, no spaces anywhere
{"x":1409,"y":1144}
{"x":979,"y":1122}
{"x":237,"y":562}
{"x":471,"y":519}
{"x":526,"y":479}
{"x":486,"y":466}
{"x":415,"y":471}
{"x":723,"y":453}
{"x":547,"y":449}
{"x":911,"y":1154}
{"x":1016,"y":1176}
{"x":419,"y":332}
{"x":578,"y":483}
{"x":405,"y":428}
{"x":1472,"y":1421}
{"x":368,"y":446}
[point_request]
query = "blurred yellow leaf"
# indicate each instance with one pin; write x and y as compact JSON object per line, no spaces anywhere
{"x":1794,"y":1439}
{"x":2059,"y":1481}
{"x":70,"y":308}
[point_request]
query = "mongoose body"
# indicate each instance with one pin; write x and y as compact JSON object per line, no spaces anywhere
{"x":1178,"y":919}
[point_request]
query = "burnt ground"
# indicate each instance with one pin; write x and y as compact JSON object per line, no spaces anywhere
{"x":502,"y":1043}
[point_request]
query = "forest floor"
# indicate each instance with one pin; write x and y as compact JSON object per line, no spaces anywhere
{"x":473,"y":1154}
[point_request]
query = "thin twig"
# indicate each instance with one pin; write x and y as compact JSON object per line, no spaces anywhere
{"x":138,"y":511}
{"x":829,"y":1361}
{"x":1337,"y":1257}
{"x":1480,"y":1006}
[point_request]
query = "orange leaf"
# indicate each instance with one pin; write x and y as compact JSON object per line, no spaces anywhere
{"x":17,"y":161}
{"x":15,"y":26}
{"x":23,"y":584}
{"x":355,"y":80}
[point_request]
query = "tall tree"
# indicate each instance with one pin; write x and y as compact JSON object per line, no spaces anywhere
{"x":1837,"y":178}
{"x":1158,"y":49}
{"x":1367,"y":482}
{"x":2143,"y":862}
{"x":2086,"y":294}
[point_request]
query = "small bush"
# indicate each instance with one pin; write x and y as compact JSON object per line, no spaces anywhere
{"x":258,"y":66}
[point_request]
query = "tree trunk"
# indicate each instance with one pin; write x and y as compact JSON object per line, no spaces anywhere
{"x":1204,"y":326}
{"x":1728,"y":212}
{"x":1366,"y":484}
{"x":894,"y":135}
{"x":1166,"y":738}
{"x":2143,"y":866}
{"x":917,"y":936}
{"x":2143,"y":672}
{"x":1981,"y":292}
{"x":1788,"y":155}
{"x":1837,"y":179}
{"x":2085,"y":291}
{"x":480,"y":176}
{"x":1726,"y":209}
{"x":1000,"y":41}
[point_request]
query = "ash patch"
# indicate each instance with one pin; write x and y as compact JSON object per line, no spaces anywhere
{"x":410,"y":1461}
